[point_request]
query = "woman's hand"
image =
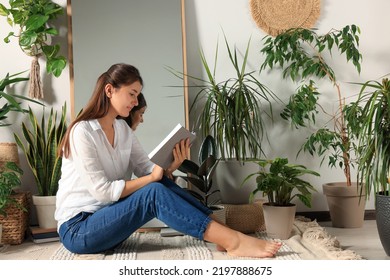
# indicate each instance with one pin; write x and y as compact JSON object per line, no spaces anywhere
{"x":157,"y":173}
{"x":180,"y":153}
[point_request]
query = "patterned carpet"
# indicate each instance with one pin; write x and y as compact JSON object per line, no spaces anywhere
{"x":308,"y":241}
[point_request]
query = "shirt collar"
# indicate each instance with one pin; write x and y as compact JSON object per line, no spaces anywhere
{"x":95,"y":125}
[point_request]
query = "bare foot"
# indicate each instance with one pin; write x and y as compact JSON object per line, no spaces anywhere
{"x":220,"y":248}
{"x":249,"y":246}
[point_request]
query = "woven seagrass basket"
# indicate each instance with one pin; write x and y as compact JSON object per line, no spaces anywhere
{"x":246,"y":218}
{"x":15,"y":224}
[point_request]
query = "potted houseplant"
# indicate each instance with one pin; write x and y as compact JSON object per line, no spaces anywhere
{"x":302,"y":54}
{"x":230,"y":110}
{"x":280,"y":182}
{"x":13,"y":205}
{"x":201,"y":177}
{"x":42,"y":140}
{"x":371,"y":112}
{"x":34,"y":19}
{"x":13,"y":219}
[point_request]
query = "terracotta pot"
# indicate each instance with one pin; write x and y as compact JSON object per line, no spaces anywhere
{"x":346,"y":205}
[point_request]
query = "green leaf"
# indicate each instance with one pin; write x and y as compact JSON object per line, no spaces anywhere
{"x":3,"y":10}
{"x":35,"y":22}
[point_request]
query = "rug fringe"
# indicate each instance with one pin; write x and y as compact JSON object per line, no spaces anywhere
{"x":317,"y":236}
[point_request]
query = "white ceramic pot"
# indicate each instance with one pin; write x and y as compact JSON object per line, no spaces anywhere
{"x":45,"y":206}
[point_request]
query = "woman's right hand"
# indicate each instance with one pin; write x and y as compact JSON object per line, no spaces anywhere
{"x":157,"y":173}
{"x":135,"y":184}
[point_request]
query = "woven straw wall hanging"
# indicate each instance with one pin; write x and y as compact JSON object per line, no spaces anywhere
{"x":276,"y":16}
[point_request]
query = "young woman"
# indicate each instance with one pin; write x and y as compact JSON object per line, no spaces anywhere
{"x":98,"y":206}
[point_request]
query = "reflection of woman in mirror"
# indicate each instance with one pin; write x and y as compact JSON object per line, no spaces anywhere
{"x":98,"y":207}
{"x":136,"y":115}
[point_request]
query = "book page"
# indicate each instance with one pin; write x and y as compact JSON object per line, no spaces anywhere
{"x":162,"y":155}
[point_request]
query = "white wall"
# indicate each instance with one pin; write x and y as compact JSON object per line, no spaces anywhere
{"x":56,"y":90}
{"x":205,"y":21}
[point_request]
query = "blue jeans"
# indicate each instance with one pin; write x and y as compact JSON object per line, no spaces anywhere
{"x":89,"y":233}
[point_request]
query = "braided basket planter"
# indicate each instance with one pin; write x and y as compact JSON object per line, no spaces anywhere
{"x":15,"y":224}
{"x":246,"y":218}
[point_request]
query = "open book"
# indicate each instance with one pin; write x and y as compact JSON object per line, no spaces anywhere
{"x":162,"y":155}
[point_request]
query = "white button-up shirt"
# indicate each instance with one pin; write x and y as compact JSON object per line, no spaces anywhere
{"x":94,"y":174}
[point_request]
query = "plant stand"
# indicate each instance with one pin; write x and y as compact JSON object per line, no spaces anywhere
{"x":346,"y":206}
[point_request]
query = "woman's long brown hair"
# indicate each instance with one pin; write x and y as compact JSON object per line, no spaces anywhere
{"x":117,"y":75}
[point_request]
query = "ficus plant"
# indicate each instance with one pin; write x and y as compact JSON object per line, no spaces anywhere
{"x":200,"y":176}
{"x":303,"y":56}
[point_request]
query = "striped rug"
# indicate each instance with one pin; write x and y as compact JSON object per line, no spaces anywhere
{"x":308,"y":241}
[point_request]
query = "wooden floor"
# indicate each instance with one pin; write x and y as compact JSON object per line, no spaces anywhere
{"x":364,"y":241}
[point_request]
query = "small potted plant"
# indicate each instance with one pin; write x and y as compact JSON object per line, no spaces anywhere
{"x":9,"y":179}
{"x":201,"y":177}
{"x":280,"y":182}
{"x":13,"y":222}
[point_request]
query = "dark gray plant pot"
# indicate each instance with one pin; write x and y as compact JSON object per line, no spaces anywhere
{"x":382,"y":206}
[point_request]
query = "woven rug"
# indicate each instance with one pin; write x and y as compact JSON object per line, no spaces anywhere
{"x":308,"y":241}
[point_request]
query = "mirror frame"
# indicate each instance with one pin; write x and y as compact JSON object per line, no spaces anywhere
{"x":184,"y":58}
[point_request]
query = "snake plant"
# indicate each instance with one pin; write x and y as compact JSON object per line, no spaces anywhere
{"x":42,"y":140}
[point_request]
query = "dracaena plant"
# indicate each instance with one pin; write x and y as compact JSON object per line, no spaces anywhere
{"x":231,"y":109}
{"x":371,"y":115}
{"x":42,"y":140}
{"x":304,"y":56}
{"x":35,"y":21}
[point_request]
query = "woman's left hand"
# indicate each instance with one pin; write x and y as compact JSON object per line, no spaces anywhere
{"x":180,"y":153}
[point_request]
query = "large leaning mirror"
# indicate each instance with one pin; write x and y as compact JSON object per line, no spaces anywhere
{"x":148,"y":34}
